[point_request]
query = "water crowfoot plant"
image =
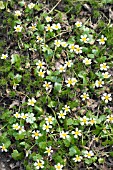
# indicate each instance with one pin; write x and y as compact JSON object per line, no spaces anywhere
{"x":56,"y":84}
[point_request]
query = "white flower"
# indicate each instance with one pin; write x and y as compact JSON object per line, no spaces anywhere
{"x":16,"y":126}
{"x":39,"y":39}
{"x":64,"y":135}
{"x":41,"y":73}
{"x":57,"y":43}
{"x":47,"y":85}
{"x":62,"y":68}
{"x":48,"y":28}
{"x":64,"y":44}
{"x":4,"y":56}
{"x":18,"y":28}
{"x":39,"y":164}
{"x":61,"y":114}
{"x":84,"y":96}
{"x":18,"y":13}
{"x":110,"y":118}
{"x":88,"y":154}
{"x":72,"y":47}
{"x":32,"y":101}
{"x":46,"y":127}
{"x":102,"y":40}
{"x":48,"y":19}
{"x":3,"y":148}
{"x":87,"y":61}
{"x":58,"y":166}
{"x":92,"y":121}
{"x":106,"y":97}
{"x":56,"y":26}
{"x":71,"y":81}
{"x":78,"y":24}
{"x":104,"y":67}
{"x":23,"y":116}
{"x":30,"y":118}
{"x":17,"y":115}
{"x":15,"y":86}
{"x":49,"y":120}
{"x":31,"y":5}
{"x":28,"y":153}
{"x":99,"y":83}
{"x":84,"y":38}
{"x":48,"y":150}
{"x":21,"y":129}
{"x":40,"y":64}
{"x":66,"y":108}
{"x":76,"y":133}
{"x":36,"y":134}
{"x":77,"y":158}
{"x":106,"y":75}
{"x":78,"y":50}
{"x":68,"y":63}
{"x":33,"y":27}
{"x":84,"y":120}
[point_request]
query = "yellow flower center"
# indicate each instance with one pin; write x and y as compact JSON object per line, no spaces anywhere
{"x":36,"y":134}
{"x":102,"y":40}
{"x":47,"y":127}
{"x":48,"y":151}
{"x":78,"y":49}
{"x":61,"y":68}
{"x":31,"y":102}
{"x":66,"y":108}
{"x":58,"y":167}
{"x":77,"y":133}
{"x":78,"y":24}
{"x":92,"y":121}
{"x":3,"y":147}
{"x":47,"y":85}
{"x":87,"y":62}
{"x":16,"y":127}
{"x":85,"y":96}
{"x":72,"y":47}
{"x":49,"y":119}
{"x":64,"y":134}
{"x":70,"y":82}
{"x":84,"y":120}
{"x":110,"y":118}
{"x":4,"y":56}
{"x":49,"y":28}
{"x":61,"y":114}
{"x":18,"y":29}
{"x":84,"y":39}
{"x":41,"y":73}
{"x":56,"y":26}
{"x":33,"y":27}
{"x":39,"y":164}
{"x":107,"y":97}
{"x":89,"y":154}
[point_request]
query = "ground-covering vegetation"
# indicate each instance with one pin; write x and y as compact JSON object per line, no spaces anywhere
{"x":56,"y":84}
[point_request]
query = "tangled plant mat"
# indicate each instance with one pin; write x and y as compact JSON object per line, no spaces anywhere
{"x":56,"y":88}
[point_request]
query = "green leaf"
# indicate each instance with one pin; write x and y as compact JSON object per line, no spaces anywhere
{"x":7,"y":143}
{"x":15,"y":58}
{"x":83,"y":74}
{"x":52,"y":104}
{"x":74,"y":150}
{"x":2,"y":5}
{"x":91,"y":55}
{"x":42,"y":145}
{"x":57,"y":86}
{"x":70,"y":121}
{"x":16,"y":155}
